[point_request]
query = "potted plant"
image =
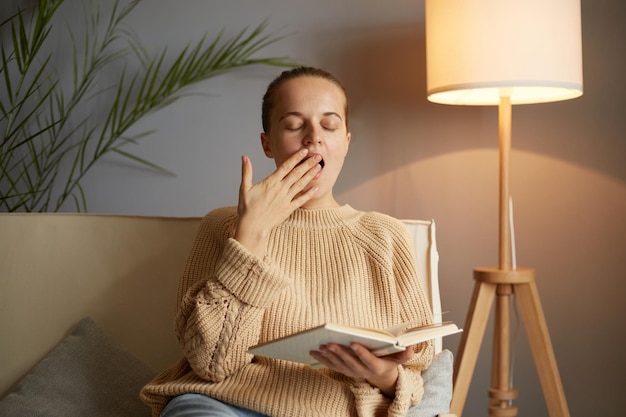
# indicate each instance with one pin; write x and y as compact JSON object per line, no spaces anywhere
{"x":48,"y":141}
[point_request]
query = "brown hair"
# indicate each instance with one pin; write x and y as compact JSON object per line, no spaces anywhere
{"x":268,"y":98}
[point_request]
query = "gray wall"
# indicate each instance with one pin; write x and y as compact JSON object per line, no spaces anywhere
{"x":413,"y":159}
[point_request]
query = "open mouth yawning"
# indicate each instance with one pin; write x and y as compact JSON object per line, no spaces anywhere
{"x":322,"y":163}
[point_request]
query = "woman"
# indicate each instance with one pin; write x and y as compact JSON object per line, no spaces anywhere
{"x":290,"y":257}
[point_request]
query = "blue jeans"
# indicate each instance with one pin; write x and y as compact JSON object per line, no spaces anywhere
{"x":198,"y":405}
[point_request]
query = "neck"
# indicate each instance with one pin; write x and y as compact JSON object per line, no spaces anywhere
{"x":323,"y":218}
{"x":324,"y":202}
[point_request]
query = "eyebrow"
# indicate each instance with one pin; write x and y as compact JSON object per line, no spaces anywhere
{"x":298,"y":114}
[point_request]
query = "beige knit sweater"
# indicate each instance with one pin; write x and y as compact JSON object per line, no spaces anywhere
{"x":338,"y":265}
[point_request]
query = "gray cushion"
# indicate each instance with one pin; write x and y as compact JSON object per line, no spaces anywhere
{"x":86,"y":374}
{"x":437,"y":387}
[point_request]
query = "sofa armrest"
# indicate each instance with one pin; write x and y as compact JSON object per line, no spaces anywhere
{"x":56,"y":268}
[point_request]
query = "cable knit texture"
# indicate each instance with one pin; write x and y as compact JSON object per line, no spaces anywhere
{"x":322,"y":265}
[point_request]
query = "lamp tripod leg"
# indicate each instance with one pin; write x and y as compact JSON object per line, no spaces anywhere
{"x":473,"y":333}
{"x":541,"y":346}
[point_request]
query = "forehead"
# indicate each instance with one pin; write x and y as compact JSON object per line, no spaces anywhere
{"x":309,"y":94}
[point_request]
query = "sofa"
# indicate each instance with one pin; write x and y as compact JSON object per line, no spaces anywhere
{"x":86,"y":310}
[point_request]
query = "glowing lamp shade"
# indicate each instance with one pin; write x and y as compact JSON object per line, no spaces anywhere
{"x":480,"y":50}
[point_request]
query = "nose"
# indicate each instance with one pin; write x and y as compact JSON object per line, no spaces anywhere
{"x":313,"y":136}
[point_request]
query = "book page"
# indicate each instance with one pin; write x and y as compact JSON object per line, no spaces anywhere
{"x":416,"y":335}
{"x":401,"y":328}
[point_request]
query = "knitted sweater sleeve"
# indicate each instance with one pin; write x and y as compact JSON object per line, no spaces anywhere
{"x":400,"y":263}
{"x":221,"y":300}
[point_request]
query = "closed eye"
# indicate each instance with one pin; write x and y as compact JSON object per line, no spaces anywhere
{"x":331,"y":122}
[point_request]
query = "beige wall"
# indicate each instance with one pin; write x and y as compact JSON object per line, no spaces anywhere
{"x":410,"y":158}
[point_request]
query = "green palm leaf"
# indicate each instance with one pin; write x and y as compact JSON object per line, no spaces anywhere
{"x":48,"y":143}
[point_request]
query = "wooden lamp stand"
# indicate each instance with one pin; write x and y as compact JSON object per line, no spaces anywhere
{"x":499,"y":284}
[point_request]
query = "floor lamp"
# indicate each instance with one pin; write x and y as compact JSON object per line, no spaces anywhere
{"x":495,"y":52}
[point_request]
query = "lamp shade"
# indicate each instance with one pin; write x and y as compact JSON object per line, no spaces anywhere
{"x":480,"y":50}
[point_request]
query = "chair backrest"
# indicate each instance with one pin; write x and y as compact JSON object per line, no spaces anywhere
{"x":427,"y":258}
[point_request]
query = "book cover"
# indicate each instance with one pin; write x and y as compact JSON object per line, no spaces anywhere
{"x":296,"y":347}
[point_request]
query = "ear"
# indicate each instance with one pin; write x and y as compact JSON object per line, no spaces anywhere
{"x":265,"y":142}
{"x":348,"y":139}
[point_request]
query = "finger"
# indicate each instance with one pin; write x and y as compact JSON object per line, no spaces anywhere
{"x":401,"y":357}
{"x":343,"y":359}
{"x":301,"y":198}
{"x":330,"y":360}
{"x":287,"y":167}
{"x":370,"y":360}
{"x":246,"y":173}
{"x":299,"y":178}
{"x":404,"y":356}
{"x":364,"y":354}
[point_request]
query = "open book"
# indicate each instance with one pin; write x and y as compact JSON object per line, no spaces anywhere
{"x":296,"y":347}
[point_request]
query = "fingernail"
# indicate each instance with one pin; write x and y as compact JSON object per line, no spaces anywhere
{"x":317,"y":158}
{"x":304,"y":151}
